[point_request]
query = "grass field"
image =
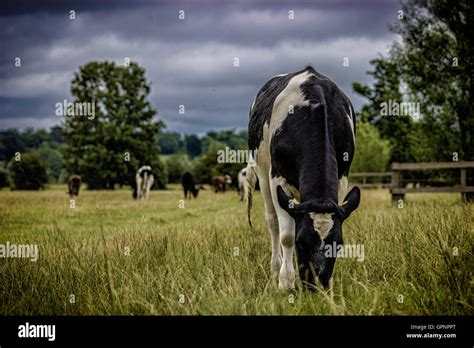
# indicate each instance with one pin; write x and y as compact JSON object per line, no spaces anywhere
{"x":204,"y":260}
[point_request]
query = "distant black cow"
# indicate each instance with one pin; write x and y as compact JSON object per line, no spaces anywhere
{"x":74,"y":184}
{"x":220,"y":182}
{"x":189,"y":185}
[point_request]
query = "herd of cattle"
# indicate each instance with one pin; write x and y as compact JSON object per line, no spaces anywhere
{"x":302,"y":134}
{"x":145,"y":180}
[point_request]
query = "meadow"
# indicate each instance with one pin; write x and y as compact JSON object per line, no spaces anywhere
{"x":111,"y":255}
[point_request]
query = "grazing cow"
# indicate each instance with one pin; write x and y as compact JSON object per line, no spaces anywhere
{"x":189,"y":185}
{"x":145,"y":180}
{"x":74,"y":184}
{"x":242,"y":183}
{"x":302,"y":128}
{"x":220,"y":182}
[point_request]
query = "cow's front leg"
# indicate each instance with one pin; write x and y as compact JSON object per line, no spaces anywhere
{"x":287,"y":240}
{"x":272,"y":223}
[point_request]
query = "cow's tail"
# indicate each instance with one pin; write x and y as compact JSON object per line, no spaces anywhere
{"x":251,"y":178}
{"x":145,"y":181}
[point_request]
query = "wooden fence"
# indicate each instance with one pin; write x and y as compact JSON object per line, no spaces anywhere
{"x":398,"y":191}
{"x":396,"y":184}
{"x":365,"y":175}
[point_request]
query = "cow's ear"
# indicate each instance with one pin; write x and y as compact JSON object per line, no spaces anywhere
{"x":351,"y":202}
{"x":286,"y":202}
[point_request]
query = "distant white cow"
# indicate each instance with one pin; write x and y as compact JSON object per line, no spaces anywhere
{"x":145,"y":181}
{"x":242,"y":181}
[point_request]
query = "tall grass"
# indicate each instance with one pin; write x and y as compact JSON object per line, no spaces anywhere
{"x":203,"y":259}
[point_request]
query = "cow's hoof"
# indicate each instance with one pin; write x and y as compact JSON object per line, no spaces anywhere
{"x":275,"y":267}
{"x":286,"y":283}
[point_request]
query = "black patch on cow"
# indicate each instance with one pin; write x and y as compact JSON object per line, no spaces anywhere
{"x":148,"y":173}
{"x":262,"y":109}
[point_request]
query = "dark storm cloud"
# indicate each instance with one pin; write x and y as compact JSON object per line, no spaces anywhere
{"x":188,"y":62}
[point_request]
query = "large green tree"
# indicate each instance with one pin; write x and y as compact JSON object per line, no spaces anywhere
{"x":29,"y":172}
{"x":436,"y":62}
{"x":108,"y":148}
{"x":385,"y":88}
{"x":372,"y":152}
{"x":430,"y":64}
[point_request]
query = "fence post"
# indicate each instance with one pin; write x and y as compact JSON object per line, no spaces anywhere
{"x":463,"y":184}
{"x":396,"y":183}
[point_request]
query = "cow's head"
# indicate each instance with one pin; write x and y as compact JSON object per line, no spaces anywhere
{"x":318,"y":224}
{"x":227,"y":179}
{"x":194,"y":191}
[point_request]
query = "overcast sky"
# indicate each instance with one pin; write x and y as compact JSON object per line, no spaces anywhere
{"x":188,"y":62}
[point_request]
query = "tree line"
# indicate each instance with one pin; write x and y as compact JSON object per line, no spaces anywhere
{"x":430,"y":67}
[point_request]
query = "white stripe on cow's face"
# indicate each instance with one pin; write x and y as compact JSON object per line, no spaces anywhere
{"x":293,"y":96}
{"x":322,"y":224}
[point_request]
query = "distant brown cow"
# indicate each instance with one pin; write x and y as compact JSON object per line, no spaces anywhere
{"x":220,"y":182}
{"x":74,"y":184}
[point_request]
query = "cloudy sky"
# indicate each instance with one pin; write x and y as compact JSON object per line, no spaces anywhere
{"x":189,"y":62}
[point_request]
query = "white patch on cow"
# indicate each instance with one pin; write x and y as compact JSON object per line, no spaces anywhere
{"x":291,"y":95}
{"x":279,"y":75}
{"x":253,"y":104}
{"x":322,"y":224}
{"x":351,"y":123}
{"x":342,"y":189}
{"x":290,"y":190}
{"x":243,"y":184}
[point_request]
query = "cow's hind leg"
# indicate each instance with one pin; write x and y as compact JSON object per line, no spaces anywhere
{"x":272,"y":223}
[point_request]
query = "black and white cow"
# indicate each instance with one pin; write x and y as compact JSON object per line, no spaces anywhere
{"x":302,"y":128}
{"x":242,"y":183}
{"x":144,"y":180}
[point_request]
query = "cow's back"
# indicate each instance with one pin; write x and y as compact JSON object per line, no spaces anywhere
{"x":292,"y":98}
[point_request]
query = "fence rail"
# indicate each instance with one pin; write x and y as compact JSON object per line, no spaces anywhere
{"x":396,"y":184}
{"x":365,"y":175}
{"x":398,"y":191}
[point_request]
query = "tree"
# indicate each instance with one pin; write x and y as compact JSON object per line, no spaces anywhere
{"x":176,"y":165}
{"x":4,"y":179}
{"x":109,"y":147}
{"x":385,"y":89}
{"x":193,"y":145}
{"x":170,"y":143}
{"x":29,"y":173}
{"x":54,"y":160}
{"x":436,"y":62}
{"x":10,"y":143}
{"x":372,"y":152}
{"x":206,"y":166}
